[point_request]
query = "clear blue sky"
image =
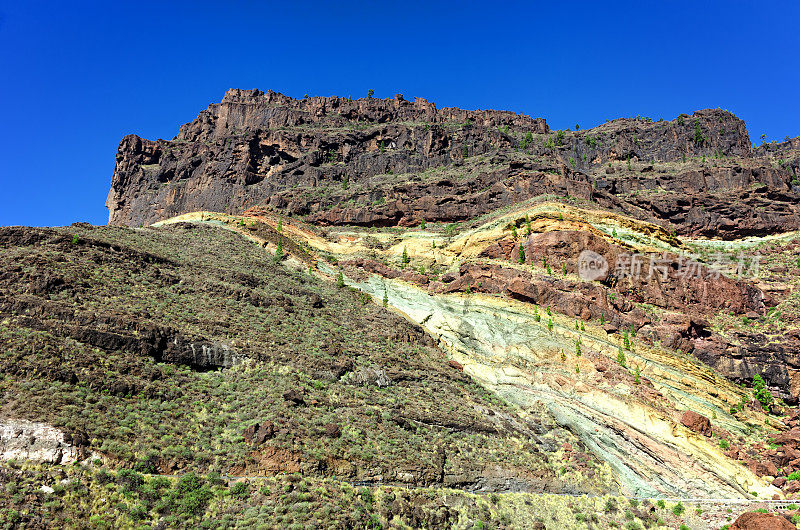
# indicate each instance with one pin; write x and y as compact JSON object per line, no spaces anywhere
{"x":78,"y":76}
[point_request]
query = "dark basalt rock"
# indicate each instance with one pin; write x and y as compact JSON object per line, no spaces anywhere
{"x":269,"y":151}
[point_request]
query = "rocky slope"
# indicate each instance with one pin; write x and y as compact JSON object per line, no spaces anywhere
{"x":426,"y":303}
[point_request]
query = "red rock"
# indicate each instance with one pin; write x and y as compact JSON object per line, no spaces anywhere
{"x":764,"y":468}
{"x":696,"y":422}
{"x":761,"y":521}
{"x":779,"y":482}
{"x":457,"y":365}
{"x":792,"y":486}
{"x":259,"y":433}
{"x":789,"y":438}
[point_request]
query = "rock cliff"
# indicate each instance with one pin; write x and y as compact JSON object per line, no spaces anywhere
{"x":387,"y":162}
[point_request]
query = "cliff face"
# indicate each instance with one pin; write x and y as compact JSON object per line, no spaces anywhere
{"x":236,"y":154}
{"x":384,"y":162}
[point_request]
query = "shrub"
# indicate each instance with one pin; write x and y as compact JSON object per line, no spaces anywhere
{"x":760,"y":392}
{"x":699,"y":137}
{"x":190,"y":496}
{"x":240,"y":490}
{"x":129,"y":479}
{"x":340,"y":280}
{"x":138,"y":512}
{"x":678,"y":509}
{"x":724,"y":444}
{"x":521,"y":253}
{"x":147,"y":464}
{"x":366,"y":496}
{"x":661,"y":504}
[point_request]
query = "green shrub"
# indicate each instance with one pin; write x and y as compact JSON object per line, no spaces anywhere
{"x":621,"y":357}
{"x":240,"y":490}
{"x":761,"y":393}
{"x":678,"y":509}
{"x":129,"y":479}
{"x":138,"y":512}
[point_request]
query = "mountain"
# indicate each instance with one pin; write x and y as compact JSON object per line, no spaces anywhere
{"x":378,"y":313}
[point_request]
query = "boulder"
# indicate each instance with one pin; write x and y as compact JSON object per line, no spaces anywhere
{"x":696,"y":422}
{"x":332,"y":430}
{"x":761,"y":521}
{"x":258,"y":433}
{"x":293,"y":397}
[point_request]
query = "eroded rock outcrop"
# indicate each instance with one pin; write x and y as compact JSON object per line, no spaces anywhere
{"x":366,"y":162}
{"x":24,"y":440}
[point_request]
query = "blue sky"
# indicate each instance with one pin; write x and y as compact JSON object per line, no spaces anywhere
{"x":77,"y":77}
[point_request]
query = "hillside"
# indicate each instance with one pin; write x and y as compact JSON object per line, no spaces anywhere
{"x":380,"y":313}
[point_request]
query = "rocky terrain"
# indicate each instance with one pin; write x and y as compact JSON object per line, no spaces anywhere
{"x":379,"y":313}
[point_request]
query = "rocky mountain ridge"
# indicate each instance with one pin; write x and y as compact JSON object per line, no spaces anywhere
{"x":387,"y":162}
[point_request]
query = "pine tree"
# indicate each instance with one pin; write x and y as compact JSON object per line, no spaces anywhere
{"x":279,"y":251}
{"x":340,"y":280}
{"x":521,"y":253}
